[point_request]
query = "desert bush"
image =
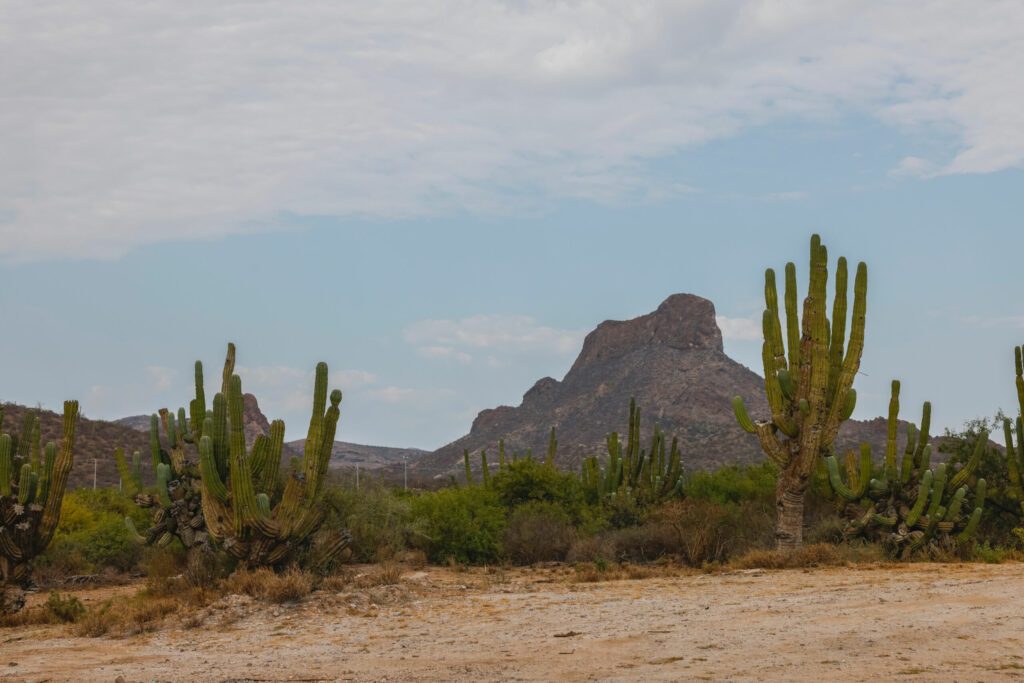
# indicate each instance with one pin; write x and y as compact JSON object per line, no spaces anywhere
{"x":126,"y":616}
{"x":379,"y":519}
{"x":814,"y":555}
{"x":266,"y":585}
{"x":92,"y":535}
{"x":65,"y":608}
{"x":463,"y":524}
{"x":538,"y":532}
{"x":708,"y":533}
{"x":734,"y":484}
{"x":529,"y":481}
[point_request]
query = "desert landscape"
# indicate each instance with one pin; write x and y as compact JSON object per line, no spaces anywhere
{"x":918,"y":622}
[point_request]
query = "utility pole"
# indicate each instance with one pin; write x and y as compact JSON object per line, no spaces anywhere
{"x":94,"y":474}
{"x":405,"y":462}
{"x":357,"y":476}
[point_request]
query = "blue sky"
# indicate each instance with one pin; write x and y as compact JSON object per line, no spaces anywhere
{"x":440,"y":201}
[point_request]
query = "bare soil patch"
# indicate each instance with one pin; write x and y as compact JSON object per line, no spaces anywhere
{"x":920,"y":622}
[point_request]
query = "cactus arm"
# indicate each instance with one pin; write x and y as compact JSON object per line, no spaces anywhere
{"x":838,"y":339}
{"x":154,"y":441}
{"x":892,"y":425}
{"x":854,"y":350}
{"x":212,"y":484}
{"x":6,"y":464}
{"x":742,"y":417}
{"x":1013,"y":471}
{"x":59,"y":479}
{"x":961,"y":477}
{"x":972,"y":526}
{"x":923,"y":491}
{"x":272,"y":468}
{"x":484,"y":469}
{"x":133,"y":533}
{"x":938,"y":488}
{"x":792,"y":318}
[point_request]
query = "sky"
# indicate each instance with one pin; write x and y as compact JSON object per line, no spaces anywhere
{"x":440,"y":199}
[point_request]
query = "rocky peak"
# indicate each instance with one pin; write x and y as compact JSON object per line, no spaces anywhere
{"x":682,"y":321}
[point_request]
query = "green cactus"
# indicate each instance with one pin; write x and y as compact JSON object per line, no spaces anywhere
{"x":247,"y":512}
{"x":1015,"y":452}
{"x":911,"y":508}
{"x":808,"y":380}
{"x":30,"y":506}
{"x":650,"y":476}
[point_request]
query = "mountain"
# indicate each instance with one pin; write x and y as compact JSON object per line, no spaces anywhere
{"x":672,"y":361}
{"x":346,"y":454}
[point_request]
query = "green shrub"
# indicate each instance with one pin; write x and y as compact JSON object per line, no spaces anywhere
{"x":92,"y":535}
{"x":734,"y":484}
{"x":538,"y":532}
{"x":379,"y":519}
{"x":464,"y":524}
{"x":64,"y":608}
{"x":528,"y":480}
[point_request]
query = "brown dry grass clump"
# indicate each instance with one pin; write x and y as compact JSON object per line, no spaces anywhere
{"x":263,"y":584}
{"x":815,"y":555}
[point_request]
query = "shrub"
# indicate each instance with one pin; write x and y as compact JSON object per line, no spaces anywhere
{"x":463,"y":524}
{"x":538,"y":532}
{"x":528,"y":481}
{"x":92,"y":535}
{"x":379,"y":519}
{"x":734,"y":484}
{"x":708,"y":533}
{"x":65,"y":608}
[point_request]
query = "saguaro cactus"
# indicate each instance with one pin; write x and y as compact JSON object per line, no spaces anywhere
{"x":32,"y":484}
{"x":651,"y":476}
{"x":912,"y":507}
{"x":246,"y":511}
{"x":809,"y":368}
{"x":1015,"y":452}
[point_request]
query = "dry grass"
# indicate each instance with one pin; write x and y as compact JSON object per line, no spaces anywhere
{"x":263,"y":584}
{"x":815,"y":555}
{"x":126,"y":616}
{"x":384,"y":574}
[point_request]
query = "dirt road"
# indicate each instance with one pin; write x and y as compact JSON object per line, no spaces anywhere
{"x":916,"y":623}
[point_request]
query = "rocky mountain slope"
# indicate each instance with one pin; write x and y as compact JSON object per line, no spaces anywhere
{"x":672,"y":361}
{"x":345,"y":454}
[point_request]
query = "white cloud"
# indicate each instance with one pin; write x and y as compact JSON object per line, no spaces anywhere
{"x":739,"y":328}
{"x":913,"y":167}
{"x":444,"y":352}
{"x":127,"y":124}
{"x":397,"y":395}
{"x":352,"y":378}
{"x":162,"y":378}
{"x":504,"y":333}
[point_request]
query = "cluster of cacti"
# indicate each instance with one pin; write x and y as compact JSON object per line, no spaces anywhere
{"x":1015,"y":452}
{"x":809,"y":371}
{"x":650,"y":476}
{"x":247,"y":511}
{"x":911,"y":507}
{"x":32,"y":484}
{"x":176,"y":498}
{"x":504,"y":459}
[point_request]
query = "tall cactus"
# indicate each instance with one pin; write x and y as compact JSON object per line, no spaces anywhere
{"x":1015,"y":452}
{"x":246,"y":511}
{"x":650,"y":476}
{"x":911,"y":508}
{"x":32,"y":485}
{"x":809,"y":368}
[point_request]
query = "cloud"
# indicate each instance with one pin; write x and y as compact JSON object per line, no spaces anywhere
{"x":162,"y":378}
{"x":494,"y":333}
{"x":445,"y":352}
{"x":193,"y":120}
{"x":743,"y":329}
{"x":400,"y":395}
{"x":913,"y":167}
{"x":285,"y":389}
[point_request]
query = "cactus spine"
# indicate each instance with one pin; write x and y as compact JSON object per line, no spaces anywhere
{"x":30,"y":505}
{"x":808,"y":380}
{"x":912,"y":508}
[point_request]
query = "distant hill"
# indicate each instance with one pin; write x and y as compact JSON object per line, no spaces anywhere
{"x":346,"y":454}
{"x":672,"y":361}
{"x":94,"y":439}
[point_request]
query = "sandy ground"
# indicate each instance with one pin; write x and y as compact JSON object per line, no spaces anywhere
{"x":917,"y":623}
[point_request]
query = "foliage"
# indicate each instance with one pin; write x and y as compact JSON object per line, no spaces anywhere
{"x":734,"y":484}
{"x":462,"y":524}
{"x":538,"y":532}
